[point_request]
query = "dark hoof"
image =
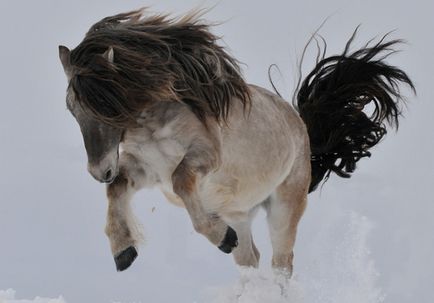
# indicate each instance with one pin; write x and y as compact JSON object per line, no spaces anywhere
{"x":125,"y":258}
{"x":229,"y":242}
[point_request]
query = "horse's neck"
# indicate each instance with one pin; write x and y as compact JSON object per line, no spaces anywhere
{"x":165,"y":120}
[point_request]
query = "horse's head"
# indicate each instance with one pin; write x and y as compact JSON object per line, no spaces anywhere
{"x":101,"y":139}
{"x":127,"y":64}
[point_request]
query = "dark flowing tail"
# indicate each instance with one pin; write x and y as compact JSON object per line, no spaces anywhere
{"x":331,"y":100}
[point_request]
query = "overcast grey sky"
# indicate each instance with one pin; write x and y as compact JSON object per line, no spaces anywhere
{"x":52,"y":213}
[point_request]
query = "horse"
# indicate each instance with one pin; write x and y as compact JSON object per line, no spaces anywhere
{"x":160,"y":103}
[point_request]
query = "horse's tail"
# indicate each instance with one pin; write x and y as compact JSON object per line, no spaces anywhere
{"x":331,"y":101}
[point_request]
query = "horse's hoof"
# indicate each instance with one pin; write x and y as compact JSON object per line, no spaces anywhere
{"x":125,"y":258}
{"x":229,"y":242}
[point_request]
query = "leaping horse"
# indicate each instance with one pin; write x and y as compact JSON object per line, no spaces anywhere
{"x":160,"y":103}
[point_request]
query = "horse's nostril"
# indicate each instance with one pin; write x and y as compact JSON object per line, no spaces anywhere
{"x":108,"y":174}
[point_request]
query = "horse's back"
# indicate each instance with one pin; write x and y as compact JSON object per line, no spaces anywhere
{"x":259,"y":149}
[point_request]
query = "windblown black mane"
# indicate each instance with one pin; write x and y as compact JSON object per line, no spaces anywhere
{"x":155,"y":59}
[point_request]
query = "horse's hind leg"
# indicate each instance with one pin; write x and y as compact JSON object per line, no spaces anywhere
{"x":284,"y":210}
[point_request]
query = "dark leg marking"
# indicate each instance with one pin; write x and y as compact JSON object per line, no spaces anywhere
{"x":229,"y":242}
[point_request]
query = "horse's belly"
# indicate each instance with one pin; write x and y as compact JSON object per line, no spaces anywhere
{"x":257,"y":154}
{"x":228,"y":191}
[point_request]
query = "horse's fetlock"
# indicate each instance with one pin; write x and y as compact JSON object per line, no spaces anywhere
{"x":202,"y":227}
{"x":283,"y":261}
{"x":117,"y":229}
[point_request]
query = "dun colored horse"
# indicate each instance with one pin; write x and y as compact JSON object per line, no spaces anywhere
{"x":160,"y":103}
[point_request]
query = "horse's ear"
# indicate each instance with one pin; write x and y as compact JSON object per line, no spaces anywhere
{"x":109,"y":55}
{"x":64,"y":55}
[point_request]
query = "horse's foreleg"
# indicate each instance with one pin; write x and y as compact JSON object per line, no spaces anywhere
{"x":246,"y":253}
{"x":284,"y":210}
{"x":185,"y":182}
{"x":121,"y":228}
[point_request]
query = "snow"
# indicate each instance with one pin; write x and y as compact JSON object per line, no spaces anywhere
{"x":339,"y":273}
{"x":8,"y":296}
{"x":52,"y":213}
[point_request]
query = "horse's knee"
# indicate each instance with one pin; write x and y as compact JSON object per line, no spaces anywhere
{"x":202,"y":227}
{"x":117,"y":187}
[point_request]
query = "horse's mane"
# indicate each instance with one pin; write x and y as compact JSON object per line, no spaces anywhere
{"x":155,"y":59}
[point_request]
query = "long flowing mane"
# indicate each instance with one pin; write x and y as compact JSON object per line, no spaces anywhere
{"x":154,"y":59}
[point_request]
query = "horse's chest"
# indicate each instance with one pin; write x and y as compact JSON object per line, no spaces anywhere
{"x":158,"y":157}
{"x":163,"y":158}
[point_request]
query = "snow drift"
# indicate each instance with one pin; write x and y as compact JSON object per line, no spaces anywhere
{"x":336,"y":272}
{"x":8,"y":296}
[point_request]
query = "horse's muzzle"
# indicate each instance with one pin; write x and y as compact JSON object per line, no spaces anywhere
{"x":106,"y":175}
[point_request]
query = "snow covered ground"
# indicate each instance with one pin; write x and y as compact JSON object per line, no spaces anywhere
{"x":9,"y":296}
{"x":349,"y":275}
{"x":339,"y":274}
{"x":366,"y":239}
